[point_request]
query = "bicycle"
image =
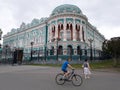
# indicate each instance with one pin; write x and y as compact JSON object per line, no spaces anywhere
{"x":72,"y":77}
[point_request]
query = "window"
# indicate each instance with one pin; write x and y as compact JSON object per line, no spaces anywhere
{"x":62,"y":26}
{"x":67,"y":26}
{"x":52,"y":51}
{"x":69,"y":50}
{"x":61,"y":35}
{"x":60,"y":50}
{"x":78,"y":50}
{"x":53,"y":31}
{"x":78,"y":32}
{"x":68,"y":35}
{"x":83,"y":34}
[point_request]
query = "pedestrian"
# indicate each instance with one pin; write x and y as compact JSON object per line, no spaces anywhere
{"x":86,"y":69}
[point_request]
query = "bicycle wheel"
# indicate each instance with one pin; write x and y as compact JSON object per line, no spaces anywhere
{"x":59,"y":79}
{"x":77,"y":80}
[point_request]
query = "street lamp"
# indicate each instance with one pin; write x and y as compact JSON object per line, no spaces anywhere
{"x":46,"y":39}
{"x":91,"y":56}
{"x":31,"y":49}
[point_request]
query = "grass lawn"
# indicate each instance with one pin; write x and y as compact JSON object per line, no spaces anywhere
{"x":106,"y":64}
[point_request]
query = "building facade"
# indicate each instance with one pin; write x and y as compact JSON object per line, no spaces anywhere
{"x":65,"y":33}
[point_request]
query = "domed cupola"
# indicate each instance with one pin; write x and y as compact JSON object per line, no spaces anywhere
{"x":66,"y":8}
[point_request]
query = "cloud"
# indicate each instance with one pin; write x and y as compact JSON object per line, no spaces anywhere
{"x":103,"y":14}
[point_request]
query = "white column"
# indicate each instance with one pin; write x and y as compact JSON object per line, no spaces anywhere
{"x":81,"y":33}
{"x":56,"y":31}
{"x":74,"y":31}
{"x":65,"y":33}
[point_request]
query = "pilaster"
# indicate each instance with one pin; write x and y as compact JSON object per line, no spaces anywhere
{"x":65,"y":33}
{"x":74,"y":31}
{"x":81,"y":33}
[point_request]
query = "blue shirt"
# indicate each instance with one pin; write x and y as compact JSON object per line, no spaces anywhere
{"x":65,"y":65}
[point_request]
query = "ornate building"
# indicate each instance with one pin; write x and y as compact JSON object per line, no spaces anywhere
{"x":65,"y":33}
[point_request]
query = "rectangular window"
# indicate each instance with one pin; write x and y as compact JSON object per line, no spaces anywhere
{"x":68,"y":35}
{"x":61,"y":35}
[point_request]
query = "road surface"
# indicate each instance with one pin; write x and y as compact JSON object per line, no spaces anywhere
{"x":43,"y":78}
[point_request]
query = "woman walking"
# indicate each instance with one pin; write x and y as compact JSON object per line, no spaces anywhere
{"x":86,"y":69}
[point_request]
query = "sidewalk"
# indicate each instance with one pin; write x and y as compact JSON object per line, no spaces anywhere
{"x":116,"y":70}
{"x":10,"y":68}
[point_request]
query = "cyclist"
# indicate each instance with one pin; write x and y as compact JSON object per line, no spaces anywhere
{"x":65,"y":65}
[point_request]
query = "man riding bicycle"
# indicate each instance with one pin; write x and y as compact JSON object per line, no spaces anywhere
{"x":65,"y":65}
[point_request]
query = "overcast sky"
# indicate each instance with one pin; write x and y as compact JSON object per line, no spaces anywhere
{"x":103,"y":14}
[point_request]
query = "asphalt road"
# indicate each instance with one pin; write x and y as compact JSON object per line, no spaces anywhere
{"x":43,"y":78}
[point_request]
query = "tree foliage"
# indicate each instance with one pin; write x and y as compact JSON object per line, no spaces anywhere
{"x":112,"y":47}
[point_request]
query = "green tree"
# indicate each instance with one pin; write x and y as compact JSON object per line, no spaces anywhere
{"x":112,"y":47}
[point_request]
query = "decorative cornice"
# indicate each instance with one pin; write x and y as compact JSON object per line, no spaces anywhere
{"x":66,"y":15}
{"x":7,"y":35}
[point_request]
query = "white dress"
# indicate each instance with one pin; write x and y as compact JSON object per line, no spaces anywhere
{"x":86,"y":69}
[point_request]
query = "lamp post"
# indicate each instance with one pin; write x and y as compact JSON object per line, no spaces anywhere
{"x":91,"y":55}
{"x":31,"y":49}
{"x":46,"y":39}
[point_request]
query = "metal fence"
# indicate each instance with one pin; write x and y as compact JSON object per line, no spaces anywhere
{"x":52,"y":56}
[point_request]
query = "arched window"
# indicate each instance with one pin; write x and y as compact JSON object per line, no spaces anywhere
{"x":52,"y":51}
{"x":68,"y":35}
{"x":79,"y":27}
{"x":78,"y":50}
{"x":76,"y":26}
{"x":83,"y":34}
{"x":60,"y":31}
{"x":71,"y":27}
{"x":61,"y":35}
{"x":69,"y":32}
{"x":54,"y":27}
{"x":53,"y":31}
{"x":62,"y":27}
{"x":85,"y":52}
{"x":69,"y":50}
{"x":58,"y":27}
{"x":78,"y":32}
{"x":60,"y":50}
{"x":67,"y":26}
